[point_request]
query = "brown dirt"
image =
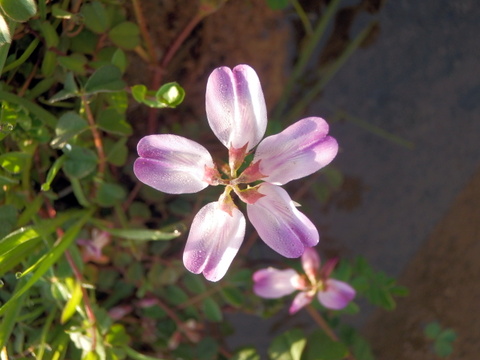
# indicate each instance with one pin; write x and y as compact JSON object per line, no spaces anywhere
{"x":443,"y":282}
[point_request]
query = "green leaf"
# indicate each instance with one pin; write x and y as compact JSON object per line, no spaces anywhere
{"x":49,"y":34}
{"x":110,"y":120}
{"x":211,"y":310}
{"x":288,"y":346}
{"x":139,"y":92}
{"x":19,"y":10}
{"x":432,"y":330}
{"x":321,"y":347}
{"x":69,"y":125}
{"x":49,"y":63}
{"x":136,"y":355}
{"x":442,"y":349}
{"x":8,"y":219}
{"x":5,"y":37}
{"x":105,"y":79}
{"x":117,"y":152}
{"x":125,"y":35}
{"x":79,"y":162}
{"x":278,"y":4}
{"x":119,"y":59}
{"x":207,"y":349}
{"x":447,"y":335}
{"x":59,"y":13}
{"x":246,"y":354}
{"x":14,"y":162}
{"x":175,"y":295}
{"x":69,"y":90}
{"x":233,"y":296}
{"x":52,"y":172}
{"x":194,"y":283}
{"x":9,"y":320}
{"x":170,"y":94}
{"x":140,"y":234}
{"x":45,"y":262}
{"x":110,"y":194}
{"x":117,"y":335}
{"x":74,"y":62}
{"x":95,"y":16}
{"x":72,"y":303}
{"x":44,"y":116}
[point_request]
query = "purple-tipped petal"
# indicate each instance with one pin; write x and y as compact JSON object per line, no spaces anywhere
{"x":235,"y":106}
{"x":337,"y":294}
{"x":273,"y":283}
{"x":301,"y":300}
{"x":213,"y":241}
{"x":311,"y":263}
{"x":300,"y":150}
{"x":279,"y":224}
{"x":172,"y":164}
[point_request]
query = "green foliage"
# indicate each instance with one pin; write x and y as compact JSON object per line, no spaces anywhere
{"x":376,"y":286}
{"x":288,"y":346}
{"x":322,"y":347}
{"x":442,"y":338}
{"x":88,"y":268}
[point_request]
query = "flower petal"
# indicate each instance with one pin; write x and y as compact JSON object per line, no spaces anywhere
{"x":301,"y":300}
{"x":300,"y":150}
{"x":280,"y":225}
{"x":311,"y":263}
{"x":273,"y":283}
{"x":172,"y":164}
{"x":213,"y":241}
{"x":337,"y":294}
{"x":235,"y":106}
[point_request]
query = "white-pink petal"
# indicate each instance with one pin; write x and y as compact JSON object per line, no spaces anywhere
{"x":235,"y":106}
{"x":213,"y":241}
{"x":172,"y":164}
{"x":337,"y":294}
{"x":311,"y":262}
{"x":301,"y":300}
{"x":279,"y":224}
{"x":300,"y":150}
{"x":271,"y":283}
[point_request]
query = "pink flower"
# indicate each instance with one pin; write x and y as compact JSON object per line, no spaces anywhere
{"x":92,"y":248}
{"x":237,"y":114}
{"x":273,"y":283}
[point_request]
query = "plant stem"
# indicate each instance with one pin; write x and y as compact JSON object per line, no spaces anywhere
{"x":78,"y":275}
{"x":97,"y":139}
{"x":321,"y":322}
{"x":142,"y":24}
{"x":326,"y":74}
{"x":307,"y":26}
{"x":305,"y":56}
{"x":324,"y":326}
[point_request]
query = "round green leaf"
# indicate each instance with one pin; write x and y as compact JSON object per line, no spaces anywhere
{"x":69,"y":125}
{"x":14,"y":162}
{"x":19,"y":10}
{"x":80,"y":162}
{"x":125,"y":35}
{"x":107,"y":78}
{"x":288,"y":346}
{"x":111,"y":121}
{"x":95,"y":16}
{"x":110,"y":194}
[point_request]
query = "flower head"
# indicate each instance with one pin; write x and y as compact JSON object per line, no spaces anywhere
{"x":273,"y":283}
{"x":237,"y":114}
